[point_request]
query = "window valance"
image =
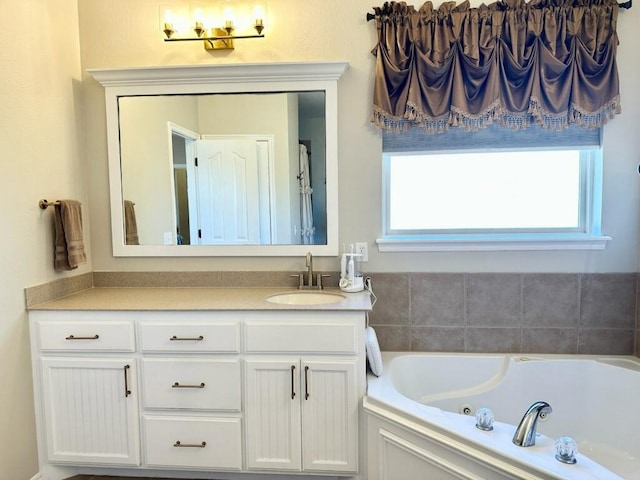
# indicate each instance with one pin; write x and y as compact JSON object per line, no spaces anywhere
{"x":545,"y":62}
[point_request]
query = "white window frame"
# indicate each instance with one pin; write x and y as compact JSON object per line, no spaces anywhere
{"x":588,"y":237}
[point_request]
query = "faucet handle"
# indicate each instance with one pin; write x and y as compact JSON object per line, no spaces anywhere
{"x":566,"y":450}
{"x":319,"y":278}
{"x":300,"y":277}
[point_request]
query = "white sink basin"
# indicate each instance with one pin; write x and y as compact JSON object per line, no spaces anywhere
{"x":305,"y":298}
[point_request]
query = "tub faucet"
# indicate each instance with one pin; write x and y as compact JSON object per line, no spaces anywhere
{"x":525,"y":435}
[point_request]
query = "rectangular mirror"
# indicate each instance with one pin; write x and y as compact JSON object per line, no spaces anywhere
{"x":223,"y":160}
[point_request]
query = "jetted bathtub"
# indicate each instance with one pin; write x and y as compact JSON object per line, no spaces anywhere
{"x":421,"y":416}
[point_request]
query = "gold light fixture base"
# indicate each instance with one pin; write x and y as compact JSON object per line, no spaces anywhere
{"x":218,"y":42}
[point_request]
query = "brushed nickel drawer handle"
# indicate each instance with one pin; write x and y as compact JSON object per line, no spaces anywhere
{"x":177,"y":385}
{"x":196,"y":339}
{"x":189,"y":445}
{"x":73,"y":337}
{"x":127,"y":392}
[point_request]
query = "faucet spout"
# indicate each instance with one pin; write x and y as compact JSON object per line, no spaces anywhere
{"x":525,"y":435}
{"x":309,"y":270}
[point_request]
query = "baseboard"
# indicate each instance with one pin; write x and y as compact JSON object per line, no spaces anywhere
{"x":37,"y":476}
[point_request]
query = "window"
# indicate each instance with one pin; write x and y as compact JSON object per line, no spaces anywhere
{"x":492,"y":199}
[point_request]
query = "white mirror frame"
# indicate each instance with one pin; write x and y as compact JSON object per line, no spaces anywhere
{"x":240,"y":78}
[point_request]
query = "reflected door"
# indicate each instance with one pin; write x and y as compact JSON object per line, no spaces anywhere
{"x":229,"y":206}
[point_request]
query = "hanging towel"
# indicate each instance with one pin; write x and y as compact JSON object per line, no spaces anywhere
{"x":69,"y":246}
{"x":130,"y":224}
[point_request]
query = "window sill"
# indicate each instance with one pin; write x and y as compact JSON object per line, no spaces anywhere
{"x":481,"y":243}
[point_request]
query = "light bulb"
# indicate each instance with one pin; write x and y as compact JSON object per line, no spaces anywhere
{"x":168,"y":19}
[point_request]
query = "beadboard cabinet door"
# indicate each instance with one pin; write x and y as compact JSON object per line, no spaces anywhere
{"x":273,"y":421}
{"x":329,"y":415}
{"x":91,"y":410}
{"x":302,"y":414}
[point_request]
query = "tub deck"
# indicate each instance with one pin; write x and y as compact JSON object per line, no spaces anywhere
{"x":423,"y":393}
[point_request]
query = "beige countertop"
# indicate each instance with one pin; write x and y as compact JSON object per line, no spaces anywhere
{"x":189,"y":298}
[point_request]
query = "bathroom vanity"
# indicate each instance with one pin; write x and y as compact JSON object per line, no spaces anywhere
{"x":188,"y":381}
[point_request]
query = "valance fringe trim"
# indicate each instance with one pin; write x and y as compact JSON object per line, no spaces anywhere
{"x":535,"y":116}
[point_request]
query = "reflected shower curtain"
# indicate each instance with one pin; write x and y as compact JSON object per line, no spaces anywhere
{"x":306,"y":210}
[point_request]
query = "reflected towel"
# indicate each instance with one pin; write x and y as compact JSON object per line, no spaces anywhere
{"x":69,"y":246}
{"x":130,"y":224}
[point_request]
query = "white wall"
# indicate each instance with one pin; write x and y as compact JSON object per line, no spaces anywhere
{"x":337,"y":30}
{"x":42,"y":157}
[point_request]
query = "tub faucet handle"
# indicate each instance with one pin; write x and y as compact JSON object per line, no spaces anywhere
{"x":484,"y":419}
{"x":566,"y":450}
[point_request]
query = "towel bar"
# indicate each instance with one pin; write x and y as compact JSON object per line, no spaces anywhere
{"x":44,"y":203}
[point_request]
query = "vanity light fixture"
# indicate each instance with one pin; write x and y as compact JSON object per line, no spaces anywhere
{"x":217,"y":27}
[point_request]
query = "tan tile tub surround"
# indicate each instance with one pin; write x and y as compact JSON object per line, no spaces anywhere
{"x":516,"y":313}
{"x":460,"y":312}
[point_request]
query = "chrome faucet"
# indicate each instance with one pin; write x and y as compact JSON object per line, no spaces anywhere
{"x":525,"y":435}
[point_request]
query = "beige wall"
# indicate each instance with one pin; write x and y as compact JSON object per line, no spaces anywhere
{"x":42,"y":157}
{"x":317,"y":30}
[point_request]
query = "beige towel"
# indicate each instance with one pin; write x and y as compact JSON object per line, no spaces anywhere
{"x":69,"y":246}
{"x":130,"y":224}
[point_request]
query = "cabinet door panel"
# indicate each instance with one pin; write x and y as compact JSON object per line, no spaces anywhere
{"x":329,"y":416}
{"x":91,"y":417}
{"x":273,"y":414}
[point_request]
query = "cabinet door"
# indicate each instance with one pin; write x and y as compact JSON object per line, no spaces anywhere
{"x":91,"y":410}
{"x":273,"y":413}
{"x":329,"y":415}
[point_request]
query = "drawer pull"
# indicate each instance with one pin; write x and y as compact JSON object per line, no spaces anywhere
{"x":193,"y":339}
{"x":73,"y":337}
{"x":306,"y":383}
{"x":189,"y":445}
{"x":293,"y":392}
{"x":177,"y":385}
{"x":127,"y":392}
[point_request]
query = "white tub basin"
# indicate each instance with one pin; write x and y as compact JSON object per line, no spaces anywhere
{"x":305,"y":298}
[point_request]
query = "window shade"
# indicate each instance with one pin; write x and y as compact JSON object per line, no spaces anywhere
{"x":494,"y":136}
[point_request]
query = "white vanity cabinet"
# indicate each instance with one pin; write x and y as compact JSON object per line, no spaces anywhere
{"x":89,"y":396}
{"x":302,"y":409}
{"x":179,"y":393}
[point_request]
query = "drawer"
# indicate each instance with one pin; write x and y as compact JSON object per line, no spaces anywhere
{"x":190,"y":337}
{"x":193,"y":442}
{"x":192,"y":384}
{"x":323,"y":337}
{"x":78,"y":336}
